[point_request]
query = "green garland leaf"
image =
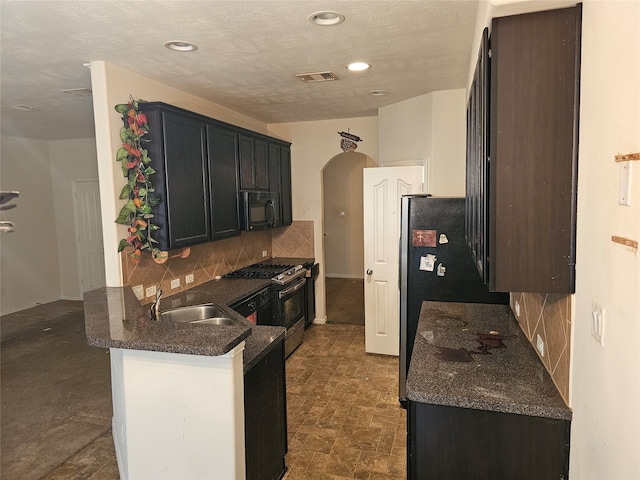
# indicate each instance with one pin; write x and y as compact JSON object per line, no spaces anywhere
{"x":126,"y":192}
{"x":122,"y":108}
{"x":134,"y":160}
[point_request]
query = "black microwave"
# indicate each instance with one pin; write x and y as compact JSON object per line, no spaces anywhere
{"x":260,"y":210}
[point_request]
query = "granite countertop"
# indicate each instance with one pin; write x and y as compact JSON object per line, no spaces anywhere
{"x":114,"y":318}
{"x":476,"y":356}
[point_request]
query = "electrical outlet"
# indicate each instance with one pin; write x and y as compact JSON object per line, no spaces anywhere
{"x":540,"y":345}
{"x":264,"y":253}
{"x":189,"y":278}
{"x":597,"y":323}
{"x":138,"y":291}
{"x":151,"y":291}
{"x":516,"y":307}
{"x":175,"y":283}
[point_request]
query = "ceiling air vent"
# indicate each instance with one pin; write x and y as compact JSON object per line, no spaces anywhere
{"x":317,"y":77}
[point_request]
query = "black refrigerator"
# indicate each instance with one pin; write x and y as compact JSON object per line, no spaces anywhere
{"x":435,"y":264}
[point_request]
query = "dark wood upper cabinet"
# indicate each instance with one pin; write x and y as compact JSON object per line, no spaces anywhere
{"x":532,"y":163}
{"x":261,"y":165}
{"x":222,"y":146}
{"x":178,"y":152}
{"x":201,"y":164}
{"x":246,"y":154}
{"x":254,"y":163}
{"x":274,"y":177}
{"x":477,"y":173}
{"x":285,"y":185}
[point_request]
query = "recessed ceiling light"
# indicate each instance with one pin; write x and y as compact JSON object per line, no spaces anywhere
{"x":358,"y":66}
{"x":180,"y":46}
{"x":326,"y":18}
{"x":378,"y":93}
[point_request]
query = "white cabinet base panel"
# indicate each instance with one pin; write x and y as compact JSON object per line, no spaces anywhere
{"x":178,"y":416}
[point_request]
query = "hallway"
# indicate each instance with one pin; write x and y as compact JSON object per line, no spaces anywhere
{"x":345,"y":300}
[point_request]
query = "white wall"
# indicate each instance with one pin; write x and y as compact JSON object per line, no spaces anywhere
{"x":30,"y":272}
{"x":605,"y":440}
{"x":70,"y":159}
{"x":112,"y":85}
{"x":448,"y":148}
{"x":431,"y":127}
{"x":405,"y":129}
{"x":314,"y":144}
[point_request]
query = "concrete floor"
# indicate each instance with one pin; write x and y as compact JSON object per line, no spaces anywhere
{"x":56,"y":390}
{"x":344,"y":420}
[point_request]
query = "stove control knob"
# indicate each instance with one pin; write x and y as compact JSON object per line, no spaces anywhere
{"x":280,"y":276}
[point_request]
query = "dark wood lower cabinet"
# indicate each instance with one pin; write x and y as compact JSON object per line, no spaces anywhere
{"x":459,"y":443}
{"x":265,"y":417}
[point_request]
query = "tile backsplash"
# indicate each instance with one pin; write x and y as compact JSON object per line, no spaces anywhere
{"x":549,"y":316}
{"x":209,"y":260}
{"x":294,"y":241}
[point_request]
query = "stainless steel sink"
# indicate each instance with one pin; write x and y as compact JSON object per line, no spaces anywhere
{"x":207,"y":314}
{"x":215,"y":321}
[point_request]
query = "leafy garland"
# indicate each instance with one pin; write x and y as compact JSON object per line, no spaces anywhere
{"x":138,"y":191}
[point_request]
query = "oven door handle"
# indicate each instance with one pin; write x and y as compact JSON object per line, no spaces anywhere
{"x":290,"y":290}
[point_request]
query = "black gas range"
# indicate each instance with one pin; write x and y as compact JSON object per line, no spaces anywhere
{"x":279,"y":273}
{"x":288,"y":295}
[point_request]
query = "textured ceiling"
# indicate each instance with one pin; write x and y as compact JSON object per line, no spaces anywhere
{"x":248,"y":55}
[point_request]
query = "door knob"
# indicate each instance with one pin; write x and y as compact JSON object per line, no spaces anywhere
{"x":369,"y":272}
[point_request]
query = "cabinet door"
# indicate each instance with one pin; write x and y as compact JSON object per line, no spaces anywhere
{"x":246,"y":154}
{"x":285,"y":185}
{"x":451,"y":443}
{"x":477,"y":186}
{"x":533,"y":143}
{"x":185,"y":163}
{"x":274,"y":177}
{"x":265,"y":413}
{"x":261,"y":164}
{"x":223,"y":181}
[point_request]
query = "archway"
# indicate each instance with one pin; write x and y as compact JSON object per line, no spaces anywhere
{"x":343,"y":236}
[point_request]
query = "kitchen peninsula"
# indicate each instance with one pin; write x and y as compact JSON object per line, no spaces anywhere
{"x":177,"y":388}
{"x":480,"y":403}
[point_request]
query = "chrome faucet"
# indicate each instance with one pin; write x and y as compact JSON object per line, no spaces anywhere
{"x":155,"y":306}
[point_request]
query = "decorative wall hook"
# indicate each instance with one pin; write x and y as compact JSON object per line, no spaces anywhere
{"x":348,"y":141}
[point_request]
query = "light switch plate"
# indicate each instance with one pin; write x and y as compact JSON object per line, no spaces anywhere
{"x":597,"y":323}
{"x":624,"y":184}
{"x":175,"y":283}
{"x":189,"y":278}
{"x":151,"y":291}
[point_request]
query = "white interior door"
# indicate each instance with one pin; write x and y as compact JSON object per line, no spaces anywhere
{"x":86,"y":198}
{"x":383,"y":188}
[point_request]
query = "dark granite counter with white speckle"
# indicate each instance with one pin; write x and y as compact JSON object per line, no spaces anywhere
{"x":114,"y":318}
{"x":476,"y":356}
